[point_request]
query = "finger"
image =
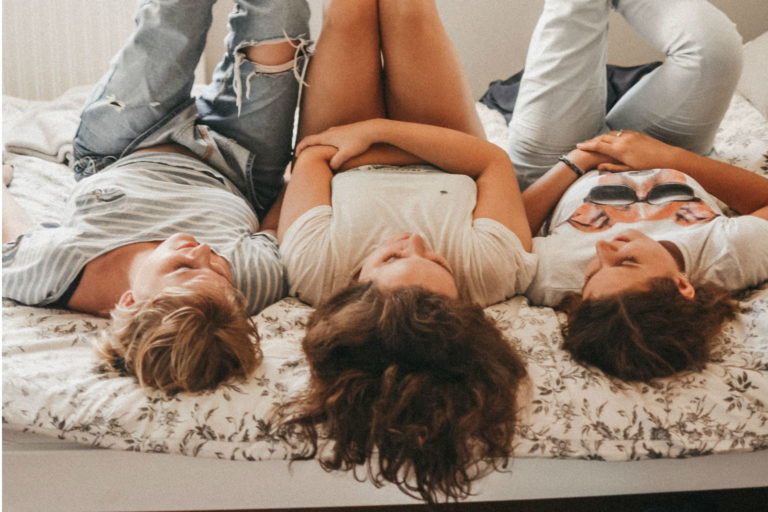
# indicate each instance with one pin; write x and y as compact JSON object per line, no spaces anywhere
{"x":310,"y":140}
{"x":605,"y":137}
{"x":613,"y":167}
{"x":304,"y":143}
{"x":338,"y":160}
{"x":596,"y":144}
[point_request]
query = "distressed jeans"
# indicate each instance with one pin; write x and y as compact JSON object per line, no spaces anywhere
{"x":242,"y":124}
{"x":563,"y":89}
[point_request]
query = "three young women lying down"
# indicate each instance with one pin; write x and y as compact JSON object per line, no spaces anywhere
{"x":639,"y":249}
{"x":408,"y":376}
{"x":169,"y":237}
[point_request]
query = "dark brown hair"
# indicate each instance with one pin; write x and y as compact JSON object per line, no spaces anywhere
{"x":184,"y":340}
{"x":642,"y":335}
{"x":418,"y":387}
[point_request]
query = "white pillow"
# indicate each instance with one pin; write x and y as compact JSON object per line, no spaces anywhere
{"x":753,"y":84}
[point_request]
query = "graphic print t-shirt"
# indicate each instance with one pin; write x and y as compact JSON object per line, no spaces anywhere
{"x":665,"y":205}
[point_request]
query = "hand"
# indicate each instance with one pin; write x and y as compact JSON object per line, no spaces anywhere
{"x":588,"y":160}
{"x":350,"y":140}
{"x":631,"y":150}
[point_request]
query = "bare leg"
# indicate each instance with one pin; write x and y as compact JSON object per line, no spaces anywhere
{"x":424,"y":80}
{"x":345,"y":73}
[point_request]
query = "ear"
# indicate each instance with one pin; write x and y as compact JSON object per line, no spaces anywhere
{"x":685,"y":287}
{"x":127,"y":299}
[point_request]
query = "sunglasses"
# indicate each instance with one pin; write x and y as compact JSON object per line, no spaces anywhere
{"x":622,"y":195}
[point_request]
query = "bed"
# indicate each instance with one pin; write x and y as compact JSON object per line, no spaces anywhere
{"x":72,"y":424}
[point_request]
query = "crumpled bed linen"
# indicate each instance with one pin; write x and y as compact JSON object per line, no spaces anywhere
{"x":54,"y":385}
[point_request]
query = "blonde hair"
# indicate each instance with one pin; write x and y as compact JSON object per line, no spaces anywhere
{"x":183,"y":340}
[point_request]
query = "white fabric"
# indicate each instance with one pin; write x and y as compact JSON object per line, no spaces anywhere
{"x":141,"y":198}
{"x":731,"y":252}
{"x":325,"y":247}
{"x":754,"y":76}
{"x":45,"y":129}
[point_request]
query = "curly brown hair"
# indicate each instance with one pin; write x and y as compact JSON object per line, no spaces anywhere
{"x":183,"y":340}
{"x":418,"y":387}
{"x":642,"y":335}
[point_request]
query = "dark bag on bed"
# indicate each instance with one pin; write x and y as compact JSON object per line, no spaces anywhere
{"x":502,"y":94}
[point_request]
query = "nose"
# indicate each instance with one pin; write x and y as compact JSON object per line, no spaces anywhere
{"x":415,"y":243}
{"x":201,"y":254}
{"x":607,"y":252}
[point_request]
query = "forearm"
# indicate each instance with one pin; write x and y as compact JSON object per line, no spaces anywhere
{"x":382,"y":154}
{"x":744,"y":191}
{"x":450,"y":150}
{"x":543,"y":195}
{"x":309,"y":186}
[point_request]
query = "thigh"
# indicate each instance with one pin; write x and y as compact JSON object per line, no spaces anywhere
{"x":344,"y":79}
{"x":683,"y":101}
{"x":254,"y":102}
{"x":562,"y":92}
{"x":148,"y":80}
{"x":424,"y":81}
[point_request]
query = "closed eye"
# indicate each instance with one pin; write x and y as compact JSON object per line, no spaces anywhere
{"x":392,"y":257}
{"x":621,"y":262}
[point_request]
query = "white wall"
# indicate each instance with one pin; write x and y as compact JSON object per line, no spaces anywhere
{"x":49,"y":46}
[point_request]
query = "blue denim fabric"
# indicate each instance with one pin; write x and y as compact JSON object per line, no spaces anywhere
{"x":562,"y":93}
{"x":242,"y":123}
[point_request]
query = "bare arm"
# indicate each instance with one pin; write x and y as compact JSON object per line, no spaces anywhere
{"x":498,"y":194}
{"x":744,"y":191}
{"x":270,"y":220}
{"x":309,"y":186}
{"x":542,"y":196}
{"x":15,"y":220}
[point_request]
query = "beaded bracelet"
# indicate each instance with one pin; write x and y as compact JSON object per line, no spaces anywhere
{"x":575,"y":168}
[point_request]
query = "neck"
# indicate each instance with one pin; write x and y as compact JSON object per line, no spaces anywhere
{"x":108,"y":277}
{"x":674,"y":250}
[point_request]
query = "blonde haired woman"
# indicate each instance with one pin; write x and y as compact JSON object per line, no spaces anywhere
{"x":169,"y":230}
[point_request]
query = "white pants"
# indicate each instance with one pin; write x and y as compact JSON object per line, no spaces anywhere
{"x":563,"y":90}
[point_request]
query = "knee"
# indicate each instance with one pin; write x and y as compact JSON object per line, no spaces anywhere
{"x":714,"y":45}
{"x":721,"y":49}
{"x":349,"y":16}
{"x":272,"y":54}
{"x":409,"y":13}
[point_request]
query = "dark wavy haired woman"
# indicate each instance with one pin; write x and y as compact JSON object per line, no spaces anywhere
{"x":624,"y":202}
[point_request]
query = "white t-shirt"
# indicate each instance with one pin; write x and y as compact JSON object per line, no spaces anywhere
{"x":728,"y":251}
{"x":145,"y":197}
{"x":324,"y":248}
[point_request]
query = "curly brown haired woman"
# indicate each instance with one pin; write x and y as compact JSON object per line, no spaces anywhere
{"x":409,"y":378}
{"x":418,"y":387}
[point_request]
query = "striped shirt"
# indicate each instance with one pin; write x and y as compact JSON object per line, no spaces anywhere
{"x":142,"y":198}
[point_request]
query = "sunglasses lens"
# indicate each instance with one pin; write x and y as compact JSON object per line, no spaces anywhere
{"x":669,"y":192}
{"x":612,"y":195}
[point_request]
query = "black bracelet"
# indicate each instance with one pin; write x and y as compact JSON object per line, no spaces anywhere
{"x":575,"y":168}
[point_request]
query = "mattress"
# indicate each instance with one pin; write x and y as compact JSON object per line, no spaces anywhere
{"x":54,"y":386}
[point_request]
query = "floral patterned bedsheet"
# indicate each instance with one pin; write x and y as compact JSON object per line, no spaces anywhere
{"x":53,"y":384}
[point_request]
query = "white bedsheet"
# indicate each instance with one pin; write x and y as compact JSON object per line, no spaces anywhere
{"x":53,"y":384}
